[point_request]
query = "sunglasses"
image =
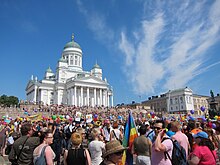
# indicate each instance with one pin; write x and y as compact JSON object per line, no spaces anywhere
{"x":157,"y":128}
{"x":49,"y":137}
{"x":118,"y":153}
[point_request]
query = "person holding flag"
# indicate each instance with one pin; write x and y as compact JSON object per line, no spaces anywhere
{"x":130,"y":135}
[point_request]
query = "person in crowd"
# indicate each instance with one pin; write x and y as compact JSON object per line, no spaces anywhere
{"x":3,"y":138}
{"x":77,"y":154}
{"x":96,"y":146}
{"x":84,"y":139}
{"x":113,"y":153}
{"x":150,"y":134}
{"x":116,"y":134}
{"x":24,"y":146}
{"x":179,"y":136}
{"x":217,"y":130}
{"x":204,"y":153}
{"x":57,"y":142}
{"x":142,"y":147}
{"x":46,"y":139}
{"x":161,"y":145}
{"x":107,"y":130}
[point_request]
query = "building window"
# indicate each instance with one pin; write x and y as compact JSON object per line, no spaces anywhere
{"x":181,"y":99}
{"x":171,"y":108}
{"x":181,"y":107}
{"x":176,"y":100}
{"x":76,"y":60}
{"x":171,"y":101}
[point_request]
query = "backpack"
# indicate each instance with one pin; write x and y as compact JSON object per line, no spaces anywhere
{"x":41,"y":160}
{"x":178,"y":154}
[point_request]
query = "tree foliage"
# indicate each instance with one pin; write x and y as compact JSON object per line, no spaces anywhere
{"x":8,"y":100}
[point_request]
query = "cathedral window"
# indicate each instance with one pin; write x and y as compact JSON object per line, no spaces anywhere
{"x":76,"y":60}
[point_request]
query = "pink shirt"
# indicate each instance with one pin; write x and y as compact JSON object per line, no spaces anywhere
{"x":205,"y":155}
{"x":182,"y":140}
{"x":158,"y":157}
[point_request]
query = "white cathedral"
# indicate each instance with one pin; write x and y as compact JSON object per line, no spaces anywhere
{"x":70,"y":85}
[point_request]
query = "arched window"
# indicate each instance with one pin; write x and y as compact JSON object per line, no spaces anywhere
{"x":76,"y":60}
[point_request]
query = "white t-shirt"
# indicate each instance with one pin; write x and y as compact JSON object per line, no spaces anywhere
{"x":96,"y":148}
{"x":117,"y":133}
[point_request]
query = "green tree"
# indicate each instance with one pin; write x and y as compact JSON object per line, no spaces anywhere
{"x":8,"y":101}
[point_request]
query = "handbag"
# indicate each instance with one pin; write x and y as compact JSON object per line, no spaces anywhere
{"x":41,"y":160}
{"x":15,"y":161}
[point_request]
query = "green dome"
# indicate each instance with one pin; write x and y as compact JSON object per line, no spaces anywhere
{"x":49,"y":70}
{"x":96,"y":66}
{"x":72,"y":44}
{"x":62,"y":59}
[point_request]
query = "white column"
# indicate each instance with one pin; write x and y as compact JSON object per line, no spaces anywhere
{"x":35,"y":94}
{"x":108,"y":98}
{"x":112,"y":101}
{"x":48,"y":99}
{"x":81,"y":96}
{"x":95,"y":97}
{"x":100,"y":97}
{"x":88,"y":96}
{"x":71,"y":96}
{"x":75,"y":103}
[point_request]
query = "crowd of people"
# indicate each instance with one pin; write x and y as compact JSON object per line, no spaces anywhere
{"x":100,"y":141}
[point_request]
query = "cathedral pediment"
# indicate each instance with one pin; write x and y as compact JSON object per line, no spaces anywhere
{"x":91,"y":79}
{"x":30,"y":83}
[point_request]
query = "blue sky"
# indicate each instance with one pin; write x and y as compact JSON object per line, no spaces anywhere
{"x":144,"y":47}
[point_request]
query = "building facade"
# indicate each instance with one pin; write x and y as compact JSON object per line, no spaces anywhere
{"x":70,"y":85}
{"x":177,"y":101}
{"x":200,"y":101}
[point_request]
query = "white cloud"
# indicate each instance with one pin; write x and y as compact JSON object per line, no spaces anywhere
{"x":169,"y":49}
{"x":96,"y":23}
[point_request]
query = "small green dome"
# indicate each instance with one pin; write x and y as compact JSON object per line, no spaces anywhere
{"x":96,"y":66}
{"x":72,"y":44}
{"x":62,"y":59}
{"x":49,"y":70}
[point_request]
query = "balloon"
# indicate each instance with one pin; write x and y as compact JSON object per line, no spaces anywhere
{"x":203,"y":119}
{"x":119,"y":117}
{"x":202,"y":108}
{"x":213,"y":125}
{"x":151,"y":113}
{"x":54,"y":117}
{"x":192,"y":111}
{"x":67,"y":117}
{"x":95,"y":115}
{"x":3,"y":117}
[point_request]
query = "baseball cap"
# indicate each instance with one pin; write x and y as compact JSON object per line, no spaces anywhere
{"x":201,"y":134}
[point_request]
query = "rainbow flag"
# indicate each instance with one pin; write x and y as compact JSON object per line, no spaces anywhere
{"x":130,"y":135}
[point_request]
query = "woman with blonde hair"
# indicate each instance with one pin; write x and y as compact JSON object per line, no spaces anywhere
{"x":46,"y":139}
{"x":77,"y":154}
{"x":96,"y":146}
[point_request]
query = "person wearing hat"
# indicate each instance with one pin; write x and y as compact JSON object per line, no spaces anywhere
{"x":113,"y":153}
{"x":77,"y":154}
{"x":204,"y":153}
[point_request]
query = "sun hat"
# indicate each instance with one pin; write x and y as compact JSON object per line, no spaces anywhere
{"x":112,"y":147}
{"x":201,"y":135}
